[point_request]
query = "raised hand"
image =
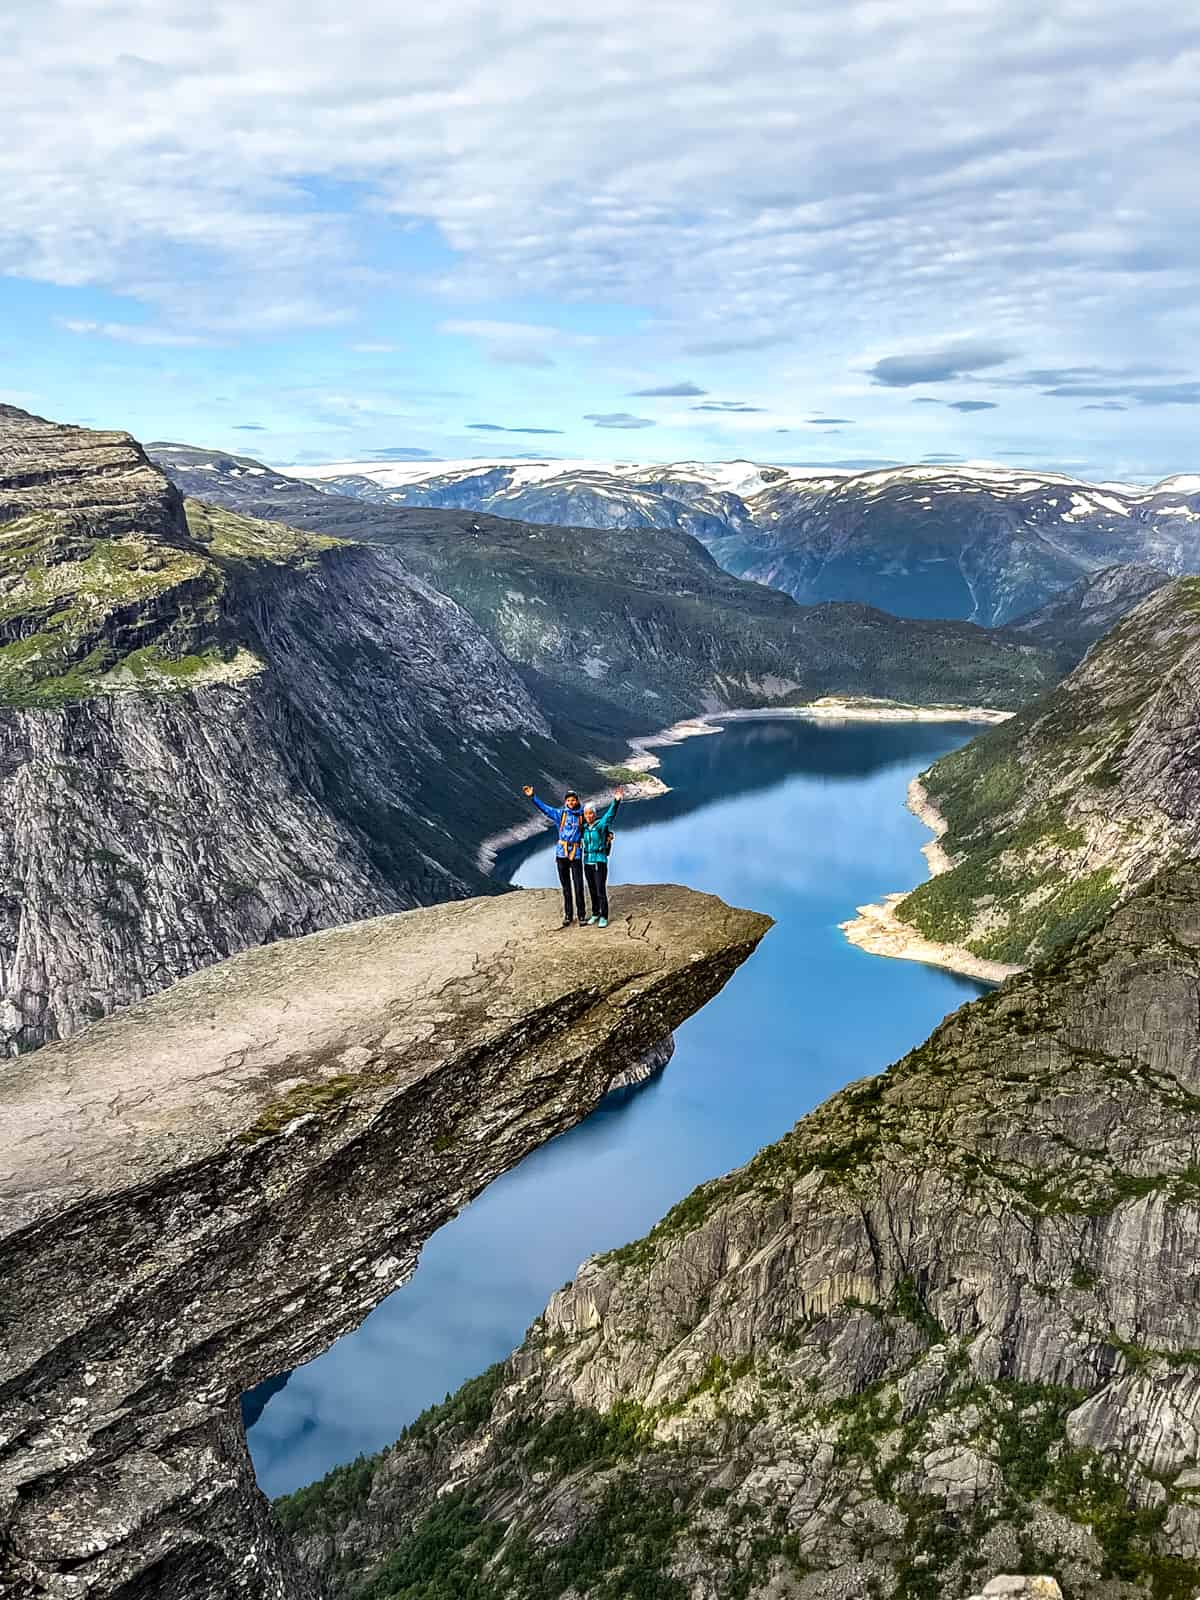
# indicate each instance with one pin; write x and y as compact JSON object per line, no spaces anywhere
{"x":619,"y":791}
{"x":528,"y":789}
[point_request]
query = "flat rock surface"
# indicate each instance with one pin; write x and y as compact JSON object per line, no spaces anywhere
{"x":209,"y":1188}
{"x":168,"y":1081}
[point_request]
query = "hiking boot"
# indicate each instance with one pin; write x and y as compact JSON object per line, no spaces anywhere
{"x":593,"y":918}
{"x":604,"y":922}
{"x":567,"y":922}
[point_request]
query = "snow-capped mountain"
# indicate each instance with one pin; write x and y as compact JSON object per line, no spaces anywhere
{"x":707,"y":500}
{"x":985,"y":543}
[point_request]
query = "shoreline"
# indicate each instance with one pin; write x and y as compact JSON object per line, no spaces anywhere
{"x":879,"y":931}
{"x":648,"y":787}
{"x":829,"y":708}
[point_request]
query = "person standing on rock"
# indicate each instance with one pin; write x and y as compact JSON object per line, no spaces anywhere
{"x":597,"y":843}
{"x":568,"y":819}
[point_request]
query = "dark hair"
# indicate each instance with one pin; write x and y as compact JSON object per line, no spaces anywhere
{"x":570,"y":795}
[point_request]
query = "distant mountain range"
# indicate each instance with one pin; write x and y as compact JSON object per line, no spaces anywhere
{"x":984,"y":544}
{"x":633,"y":627}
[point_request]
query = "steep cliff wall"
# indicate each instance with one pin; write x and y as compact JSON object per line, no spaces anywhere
{"x":209,"y":1188}
{"x":1074,"y":620}
{"x":949,"y":1326}
{"x":1056,"y":815}
{"x":215,"y":732}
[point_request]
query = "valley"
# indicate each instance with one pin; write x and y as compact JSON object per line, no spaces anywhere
{"x":250,"y":726}
{"x":599,"y":801}
{"x":797,"y":818}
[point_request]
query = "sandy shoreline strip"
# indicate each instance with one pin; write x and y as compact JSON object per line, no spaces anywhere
{"x":832,"y":709}
{"x":878,"y":930}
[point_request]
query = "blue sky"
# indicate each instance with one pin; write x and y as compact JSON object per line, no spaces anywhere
{"x":843,"y":231}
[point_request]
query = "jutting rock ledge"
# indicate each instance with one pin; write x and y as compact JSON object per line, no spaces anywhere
{"x":212,"y":1186}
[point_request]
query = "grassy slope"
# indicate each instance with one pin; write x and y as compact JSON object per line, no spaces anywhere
{"x":1050,"y":818}
{"x":83,"y":615}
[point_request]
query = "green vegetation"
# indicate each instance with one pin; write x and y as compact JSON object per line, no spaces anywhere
{"x":469,"y":1407}
{"x":231,"y":537}
{"x":306,"y":1099}
{"x":625,"y":775}
{"x":338,"y":1495}
{"x":1022,"y":803}
{"x":82,"y":613}
{"x":621,"y":1552}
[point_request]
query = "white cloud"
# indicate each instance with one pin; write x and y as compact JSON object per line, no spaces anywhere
{"x":618,"y":419}
{"x":816,"y":179}
{"x":128,"y":332}
{"x":516,"y":344}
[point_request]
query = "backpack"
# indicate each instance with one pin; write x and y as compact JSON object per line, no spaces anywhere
{"x":610,"y":839}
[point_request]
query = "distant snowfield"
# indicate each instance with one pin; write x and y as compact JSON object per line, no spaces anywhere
{"x":732,"y":477}
{"x":745,"y":478}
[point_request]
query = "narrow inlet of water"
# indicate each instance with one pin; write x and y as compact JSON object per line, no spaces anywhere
{"x":803,"y":820}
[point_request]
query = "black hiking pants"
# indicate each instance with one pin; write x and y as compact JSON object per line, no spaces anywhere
{"x":597,"y":881}
{"x":570,"y":875}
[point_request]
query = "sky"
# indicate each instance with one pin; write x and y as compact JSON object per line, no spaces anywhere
{"x":841,"y":232}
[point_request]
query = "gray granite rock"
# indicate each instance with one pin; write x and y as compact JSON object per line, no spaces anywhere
{"x":210,"y":1187}
{"x":947,"y":1326}
{"x":216,"y":732}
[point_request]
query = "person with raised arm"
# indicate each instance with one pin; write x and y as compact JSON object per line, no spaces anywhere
{"x":597,"y":847}
{"x":568,"y":820}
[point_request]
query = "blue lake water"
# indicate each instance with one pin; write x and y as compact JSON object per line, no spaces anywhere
{"x":803,"y":820}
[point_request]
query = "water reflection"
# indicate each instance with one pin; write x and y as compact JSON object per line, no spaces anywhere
{"x":802,"y":820}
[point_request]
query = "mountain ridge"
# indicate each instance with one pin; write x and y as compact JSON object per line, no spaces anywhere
{"x":624,"y":620}
{"x":980,"y":543}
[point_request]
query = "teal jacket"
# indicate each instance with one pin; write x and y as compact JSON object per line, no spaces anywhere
{"x":594,"y":853}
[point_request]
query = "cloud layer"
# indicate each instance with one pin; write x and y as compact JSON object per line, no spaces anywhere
{"x":989,"y":188}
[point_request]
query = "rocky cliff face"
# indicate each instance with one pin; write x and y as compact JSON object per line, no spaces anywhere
{"x":947,"y":1327}
{"x":1056,"y":815}
{"x":215,"y":732}
{"x":1071,"y":623}
{"x":202,"y":1191}
{"x":630,"y":628}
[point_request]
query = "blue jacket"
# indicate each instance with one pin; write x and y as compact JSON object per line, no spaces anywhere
{"x":570,"y":828}
{"x":594,"y":852}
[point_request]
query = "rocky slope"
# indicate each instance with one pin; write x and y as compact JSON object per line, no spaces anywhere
{"x":946,"y":1327}
{"x":1071,"y":623}
{"x":622,"y":630}
{"x":215,"y":732}
{"x":1055,"y":815}
{"x":209,"y":1188}
{"x":984,"y":544}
